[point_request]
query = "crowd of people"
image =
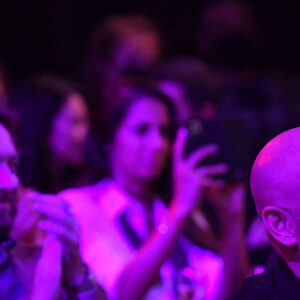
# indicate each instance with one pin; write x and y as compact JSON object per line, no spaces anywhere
{"x":132,"y":181}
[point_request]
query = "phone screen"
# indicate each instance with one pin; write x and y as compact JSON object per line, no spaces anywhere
{"x":231,"y":137}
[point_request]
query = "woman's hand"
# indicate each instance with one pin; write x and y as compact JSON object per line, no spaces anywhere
{"x":57,"y":220}
{"x":229,"y":204}
{"x":40,"y":215}
{"x":48,"y":271}
{"x":190,"y":178}
{"x":189,"y":181}
{"x":60,"y":263}
{"x":25,"y":229}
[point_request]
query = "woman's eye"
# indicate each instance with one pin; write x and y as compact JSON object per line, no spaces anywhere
{"x":166,"y":131}
{"x":142,"y":129}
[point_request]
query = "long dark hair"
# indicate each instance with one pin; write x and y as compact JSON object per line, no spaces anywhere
{"x":7,"y":119}
{"x":116,"y":112}
{"x":36,"y":102}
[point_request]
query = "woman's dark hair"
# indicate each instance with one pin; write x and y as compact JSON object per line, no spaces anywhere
{"x":36,"y":102}
{"x":7,"y":119}
{"x":118,"y":109}
{"x":128,"y":95}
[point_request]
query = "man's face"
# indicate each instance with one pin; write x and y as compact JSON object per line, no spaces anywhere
{"x":9,"y":182}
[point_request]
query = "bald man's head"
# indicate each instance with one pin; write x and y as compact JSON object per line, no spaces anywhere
{"x":275,"y":176}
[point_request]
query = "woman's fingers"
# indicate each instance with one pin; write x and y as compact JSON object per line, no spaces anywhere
{"x":57,"y":213}
{"x":179,"y":144}
{"x":51,"y":200}
{"x":48,"y":270}
{"x":195,"y":157}
{"x":61,"y":232}
{"x":57,"y":217}
{"x":199,"y":155}
{"x":52,"y":206}
{"x":213,"y":170}
{"x":206,"y":175}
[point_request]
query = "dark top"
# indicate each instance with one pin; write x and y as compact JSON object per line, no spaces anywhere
{"x":10,"y":285}
{"x":275,"y":283}
{"x":17,"y":267}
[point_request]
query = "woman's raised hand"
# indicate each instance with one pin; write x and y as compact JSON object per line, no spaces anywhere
{"x":190,"y":178}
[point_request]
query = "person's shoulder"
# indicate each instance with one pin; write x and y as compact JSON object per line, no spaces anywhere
{"x":90,"y":191}
{"x":255,"y":287}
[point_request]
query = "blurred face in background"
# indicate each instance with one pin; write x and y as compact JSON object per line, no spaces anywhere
{"x":69,"y":131}
{"x":143,"y":48}
{"x":9,"y":182}
{"x":142,"y":143}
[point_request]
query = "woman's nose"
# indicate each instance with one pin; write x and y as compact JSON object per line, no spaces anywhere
{"x":157,"y":140}
{"x":8,"y":179}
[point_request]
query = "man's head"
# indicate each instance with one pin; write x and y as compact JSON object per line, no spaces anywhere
{"x":9,"y":182}
{"x":275,"y":186}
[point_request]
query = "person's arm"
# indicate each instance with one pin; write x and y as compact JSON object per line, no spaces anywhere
{"x":189,"y":181}
{"x":230,"y":208}
{"x":47,"y":276}
{"x":57,"y":221}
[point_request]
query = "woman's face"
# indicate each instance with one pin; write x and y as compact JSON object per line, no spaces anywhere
{"x":142,"y":142}
{"x":69,"y":131}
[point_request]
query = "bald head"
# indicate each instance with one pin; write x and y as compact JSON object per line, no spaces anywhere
{"x":275,"y":176}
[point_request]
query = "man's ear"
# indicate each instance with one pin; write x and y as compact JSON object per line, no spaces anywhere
{"x":280,"y":225}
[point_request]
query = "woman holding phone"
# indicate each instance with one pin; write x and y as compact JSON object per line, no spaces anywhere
{"x":150,"y":258}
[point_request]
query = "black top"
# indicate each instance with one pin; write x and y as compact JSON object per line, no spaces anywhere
{"x":275,"y":283}
{"x":10,"y":285}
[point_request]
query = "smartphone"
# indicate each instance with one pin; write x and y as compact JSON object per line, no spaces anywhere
{"x":230,"y":134}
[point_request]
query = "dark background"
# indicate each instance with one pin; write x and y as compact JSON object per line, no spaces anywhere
{"x":41,"y":35}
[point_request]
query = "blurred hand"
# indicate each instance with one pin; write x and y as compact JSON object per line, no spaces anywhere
{"x":47,"y":279}
{"x":228,"y":202}
{"x":25,"y":229}
{"x":190,"y":178}
{"x":57,"y":220}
